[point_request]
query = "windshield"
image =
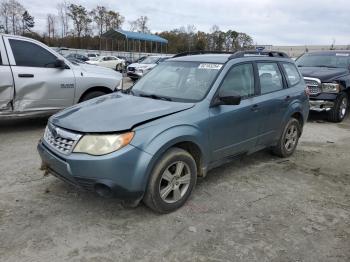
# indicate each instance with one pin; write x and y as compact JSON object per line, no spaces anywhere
{"x":150,"y":60}
{"x":178,"y":81}
{"x":341,"y":60}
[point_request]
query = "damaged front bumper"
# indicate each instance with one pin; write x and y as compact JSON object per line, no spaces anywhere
{"x":321,"y":105}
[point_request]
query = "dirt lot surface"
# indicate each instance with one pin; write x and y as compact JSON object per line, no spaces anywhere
{"x":260,"y":208}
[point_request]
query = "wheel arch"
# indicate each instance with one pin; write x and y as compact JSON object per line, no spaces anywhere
{"x":93,"y":89}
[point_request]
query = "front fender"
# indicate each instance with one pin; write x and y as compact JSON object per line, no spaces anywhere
{"x":157,"y":143}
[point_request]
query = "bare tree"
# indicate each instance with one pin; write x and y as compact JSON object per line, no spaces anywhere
{"x":99,"y":15}
{"x":190,"y":31}
{"x":51,"y":25}
{"x":16,"y":11}
{"x":63,"y":18}
{"x":140,"y":25}
{"x":132,"y":26}
{"x":5,"y":15}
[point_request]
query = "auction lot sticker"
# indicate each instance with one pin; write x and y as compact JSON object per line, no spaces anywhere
{"x":210,"y":66}
{"x":342,"y":54}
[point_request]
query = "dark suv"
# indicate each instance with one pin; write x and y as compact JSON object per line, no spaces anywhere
{"x":327,"y":75}
{"x":187,"y":115}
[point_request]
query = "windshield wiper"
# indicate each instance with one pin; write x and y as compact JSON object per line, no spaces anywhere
{"x":154,"y":96}
{"x":326,"y":66}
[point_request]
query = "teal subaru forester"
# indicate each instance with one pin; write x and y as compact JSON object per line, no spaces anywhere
{"x":189,"y":114}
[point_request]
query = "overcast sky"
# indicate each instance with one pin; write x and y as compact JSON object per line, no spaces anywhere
{"x":277,"y":22}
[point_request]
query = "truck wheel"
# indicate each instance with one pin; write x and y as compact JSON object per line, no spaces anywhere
{"x":289,"y":139}
{"x":119,"y":68}
{"x":171,"y":182}
{"x":340,"y":109}
{"x":92,"y":95}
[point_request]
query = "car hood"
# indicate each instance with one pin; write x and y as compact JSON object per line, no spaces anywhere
{"x":115,"y":112}
{"x":323,"y":73}
{"x":95,"y":69}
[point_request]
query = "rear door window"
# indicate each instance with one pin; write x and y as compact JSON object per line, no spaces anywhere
{"x":292,"y":74}
{"x":270,"y":77}
{"x":31,"y":55}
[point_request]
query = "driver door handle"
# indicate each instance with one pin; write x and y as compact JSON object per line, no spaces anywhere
{"x":26,"y":75}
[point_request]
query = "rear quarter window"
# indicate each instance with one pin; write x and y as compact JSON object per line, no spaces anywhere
{"x":292,"y":74}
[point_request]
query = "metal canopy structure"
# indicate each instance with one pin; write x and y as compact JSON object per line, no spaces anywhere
{"x":135,"y":42}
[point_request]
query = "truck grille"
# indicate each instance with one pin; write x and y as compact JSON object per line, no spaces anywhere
{"x":314,"y":85}
{"x":61,"y":140}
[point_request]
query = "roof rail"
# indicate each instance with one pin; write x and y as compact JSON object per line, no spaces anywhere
{"x":187,"y":53}
{"x":240,"y":54}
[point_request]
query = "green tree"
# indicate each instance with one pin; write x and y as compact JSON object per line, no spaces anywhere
{"x":81,"y":20}
{"x":114,"y":20}
{"x":27,"y":22}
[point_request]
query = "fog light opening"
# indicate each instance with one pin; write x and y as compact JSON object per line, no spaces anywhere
{"x":103,"y":190}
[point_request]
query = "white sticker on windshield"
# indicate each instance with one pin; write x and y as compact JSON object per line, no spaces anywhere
{"x":210,"y":66}
{"x":342,"y":54}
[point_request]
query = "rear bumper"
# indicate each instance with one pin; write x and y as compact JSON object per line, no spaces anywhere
{"x":124,"y":172}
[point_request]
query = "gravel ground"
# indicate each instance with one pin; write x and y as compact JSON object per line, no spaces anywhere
{"x":260,"y":208}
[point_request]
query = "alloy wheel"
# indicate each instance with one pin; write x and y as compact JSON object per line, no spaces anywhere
{"x":343,"y":108}
{"x":174,"y":182}
{"x":291,"y":138}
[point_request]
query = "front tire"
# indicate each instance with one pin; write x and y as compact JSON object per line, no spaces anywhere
{"x":92,"y":95}
{"x":171,"y":182}
{"x":340,"y":108}
{"x":289,"y":139}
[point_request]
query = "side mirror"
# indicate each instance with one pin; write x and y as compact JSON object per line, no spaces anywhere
{"x":60,"y":64}
{"x":227,"y":98}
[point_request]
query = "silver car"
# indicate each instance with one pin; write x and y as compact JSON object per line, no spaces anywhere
{"x":35,"y":80}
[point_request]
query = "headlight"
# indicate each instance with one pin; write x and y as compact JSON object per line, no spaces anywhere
{"x":98,"y":145}
{"x":330,"y":88}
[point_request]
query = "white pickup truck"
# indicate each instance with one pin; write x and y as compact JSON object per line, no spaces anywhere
{"x":35,"y":80}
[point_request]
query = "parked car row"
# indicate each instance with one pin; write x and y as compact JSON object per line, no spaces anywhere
{"x":136,"y":70}
{"x":117,"y":63}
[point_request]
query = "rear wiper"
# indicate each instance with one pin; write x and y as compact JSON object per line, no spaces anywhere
{"x":153,"y":96}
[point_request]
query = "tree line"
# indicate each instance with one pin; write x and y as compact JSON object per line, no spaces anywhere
{"x":74,"y":26}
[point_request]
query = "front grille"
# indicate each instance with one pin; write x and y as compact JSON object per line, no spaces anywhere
{"x":131,"y":69}
{"x":61,"y":140}
{"x":314,"y":85}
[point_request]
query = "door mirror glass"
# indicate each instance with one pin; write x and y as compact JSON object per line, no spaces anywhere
{"x":60,"y":64}
{"x":227,"y":97}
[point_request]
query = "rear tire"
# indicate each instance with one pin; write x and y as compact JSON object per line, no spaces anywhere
{"x":340,"y":108}
{"x":289,"y":139}
{"x":92,"y":95}
{"x":171,"y":182}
